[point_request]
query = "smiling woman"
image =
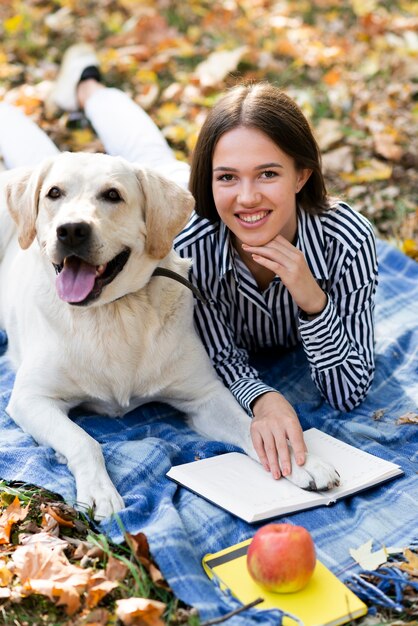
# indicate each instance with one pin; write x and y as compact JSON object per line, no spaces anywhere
{"x":279,"y":263}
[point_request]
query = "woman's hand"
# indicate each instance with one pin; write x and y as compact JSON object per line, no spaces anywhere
{"x":289,"y":263}
{"x":274,"y":424}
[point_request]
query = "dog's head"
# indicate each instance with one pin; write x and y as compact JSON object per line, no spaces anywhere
{"x":100,"y":221}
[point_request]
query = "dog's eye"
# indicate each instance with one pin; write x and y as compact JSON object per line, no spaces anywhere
{"x":111,"y":195}
{"x":54,"y":193}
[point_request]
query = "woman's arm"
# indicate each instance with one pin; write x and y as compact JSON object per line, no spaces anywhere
{"x":337,"y":327}
{"x":275,"y":422}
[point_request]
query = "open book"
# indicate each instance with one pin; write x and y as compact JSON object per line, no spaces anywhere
{"x":240,"y":485}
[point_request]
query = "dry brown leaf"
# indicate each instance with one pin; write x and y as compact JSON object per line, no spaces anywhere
{"x":411,"y":566}
{"x":57,"y":513}
{"x":139,"y":545}
{"x":115,"y":569}
{"x":14,"y":513}
{"x":48,"y":572}
{"x":408,"y":418}
{"x":378,"y":414}
{"x":140,"y":612}
{"x":385,"y":145}
{"x":99,"y":586}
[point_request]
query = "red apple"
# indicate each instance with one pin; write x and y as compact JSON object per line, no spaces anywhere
{"x":281,"y":557}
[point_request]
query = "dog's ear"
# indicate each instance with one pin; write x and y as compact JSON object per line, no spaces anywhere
{"x":22,"y":197}
{"x":167,"y":209}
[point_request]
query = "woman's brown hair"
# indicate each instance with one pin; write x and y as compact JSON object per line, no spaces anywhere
{"x":268,"y":109}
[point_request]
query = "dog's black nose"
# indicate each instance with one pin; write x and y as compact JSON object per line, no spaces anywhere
{"x":73,"y":234}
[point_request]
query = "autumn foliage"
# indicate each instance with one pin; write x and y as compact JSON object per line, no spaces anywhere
{"x":351,"y":66}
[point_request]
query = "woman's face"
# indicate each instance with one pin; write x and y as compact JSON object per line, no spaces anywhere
{"x":254,"y":186}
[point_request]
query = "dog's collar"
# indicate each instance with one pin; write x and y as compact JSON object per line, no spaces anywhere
{"x":162,"y":271}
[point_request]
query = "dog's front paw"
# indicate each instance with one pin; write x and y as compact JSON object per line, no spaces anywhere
{"x":101,"y":496}
{"x":314,"y":475}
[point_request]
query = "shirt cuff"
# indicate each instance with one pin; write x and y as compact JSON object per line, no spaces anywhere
{"x":324,"y":339}
{"x":246,"y":390}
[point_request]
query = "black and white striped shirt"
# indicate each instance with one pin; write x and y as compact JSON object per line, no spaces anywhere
{"x":339,"y":247}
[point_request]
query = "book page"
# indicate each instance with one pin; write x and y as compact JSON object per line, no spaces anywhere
{"x":357,"y":469}
{"x":241,"y":485}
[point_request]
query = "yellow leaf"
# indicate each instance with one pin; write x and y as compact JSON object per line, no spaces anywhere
{"x":5,"y":574}
{"x":369,"y":171}
{"x":13,"y":25}
{"x":411,"y":566}
{"x":168,"y":113}
{"x":14,"y":513}
{"x":363,"y":7}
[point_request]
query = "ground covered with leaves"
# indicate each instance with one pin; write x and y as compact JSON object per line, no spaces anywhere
{"x":55,"y":570}
{"x":351,"y":66}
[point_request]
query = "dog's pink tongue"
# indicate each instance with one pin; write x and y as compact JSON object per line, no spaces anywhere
{"x":76,"y":280}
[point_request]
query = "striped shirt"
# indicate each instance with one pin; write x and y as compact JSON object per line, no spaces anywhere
{"x":238,"y":319}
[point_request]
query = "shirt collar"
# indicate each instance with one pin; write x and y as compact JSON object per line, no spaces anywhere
{"x":310,"y":240}
{"x":225,"y":251}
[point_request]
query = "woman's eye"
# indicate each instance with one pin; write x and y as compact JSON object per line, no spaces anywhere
{"x":112,"y":195}
{"x":54,"y":193}
{"x":225,"y":177}
{"x":269,"y":174}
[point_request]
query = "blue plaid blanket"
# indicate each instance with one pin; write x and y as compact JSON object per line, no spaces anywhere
{"x":181,"y":527}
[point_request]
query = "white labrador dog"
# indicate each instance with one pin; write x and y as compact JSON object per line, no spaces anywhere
{"x":89,"y":324}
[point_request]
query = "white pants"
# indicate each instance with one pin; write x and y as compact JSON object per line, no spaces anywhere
{"x":122,"y":126}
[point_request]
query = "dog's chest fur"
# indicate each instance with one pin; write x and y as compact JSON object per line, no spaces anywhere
{"x":125,"y":353}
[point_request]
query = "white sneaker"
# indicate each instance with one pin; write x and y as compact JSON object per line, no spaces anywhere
{"x":75,"y":60}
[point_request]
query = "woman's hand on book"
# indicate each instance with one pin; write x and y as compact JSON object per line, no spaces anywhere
{"x":274,"y":425}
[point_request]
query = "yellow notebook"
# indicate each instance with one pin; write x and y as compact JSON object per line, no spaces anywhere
{"x":325,"y":601}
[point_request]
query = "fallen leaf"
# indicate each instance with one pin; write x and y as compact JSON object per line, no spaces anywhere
{"x":328,"y":132}
{"x":140,"y":612}
{"x":411,"y":566}
{"x":218,"y":65}
{"x":338,"y":160}
{"x":115,"y":569}
{"x":377,"y":415}
{"x":385,"y":145}
{"x":408,"y":418}
{"x":368,"y":172}
{"x":99,"y":586}
{"x":14,"y":513}
{"x":48,"y":572}
{"x":5,"y":574}
{"x":367,"y":559}
{"x":59,"y":514}
{"x":45,"y":538}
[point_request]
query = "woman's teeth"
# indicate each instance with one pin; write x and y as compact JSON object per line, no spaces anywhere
{"x":255,"y":217}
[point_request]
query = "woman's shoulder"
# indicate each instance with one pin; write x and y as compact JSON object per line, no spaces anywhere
{"x":344,"y":223}
{"x":196,"y":230}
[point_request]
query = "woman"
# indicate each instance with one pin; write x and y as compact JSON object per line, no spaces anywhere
{"x":279,"y":263}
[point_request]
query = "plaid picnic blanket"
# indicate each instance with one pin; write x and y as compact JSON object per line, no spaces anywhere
{"x":181,"y":527}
